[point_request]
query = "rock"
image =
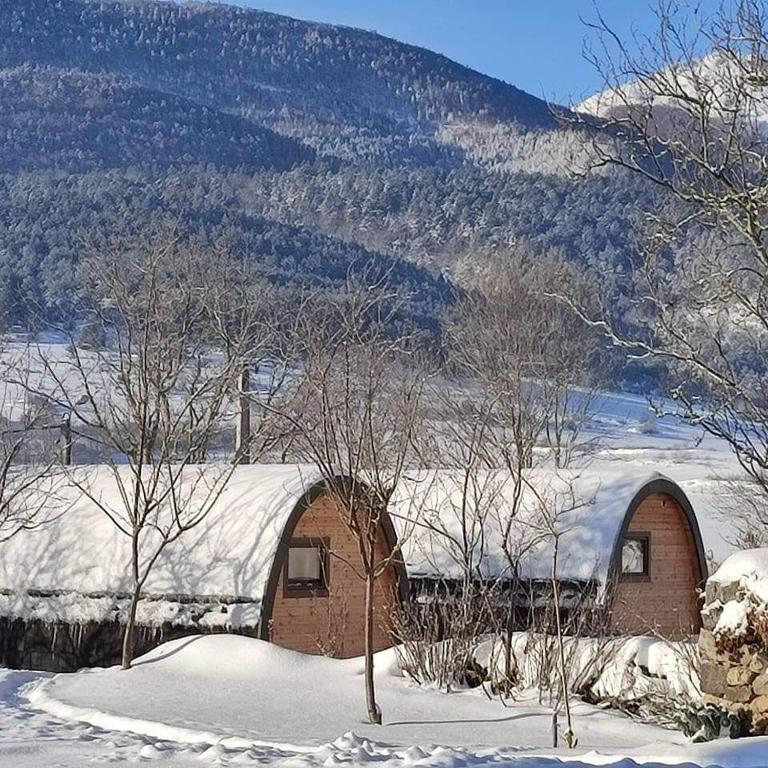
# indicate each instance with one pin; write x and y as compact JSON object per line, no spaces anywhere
{"x":730,"y":591}
{"x":758,"y":708}
{"x":710,"y":616}
{"x":740,"y":676}
{"x":738,"y":693}
{"x":760,"y":685}
{"x":758,"y":663}
{"x":711,"y":592}
{"x":748,"y":653}
{"x":739,"y":657}
{"x":713,"y":678}
{"x":759,"y":726}
{"x":707,"y":647}
{"x":759,"y":718}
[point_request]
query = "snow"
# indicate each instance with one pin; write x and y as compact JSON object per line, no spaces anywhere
{"x":256,"y":693}
{"x":586,"y":506}
{"x":77,"y":565}
{"x":233,"y":700}
{"x":734,"y":620}
{"x":617,"y":668}
{"x":713,"y":79}
{"x":748,"y":568}
{"x":77,"y":608}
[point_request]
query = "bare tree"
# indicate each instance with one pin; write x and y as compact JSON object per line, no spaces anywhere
{"x":30,"y":449}
{"x":743,"y":509}
{"x":533,"y":370}
{"x":156,"y":392}
{"x":684,"y":111}
{"x":536,"y":366}
{"x":441,"y":628}
{"x":355,"y":415}
{"x":547,"y":521}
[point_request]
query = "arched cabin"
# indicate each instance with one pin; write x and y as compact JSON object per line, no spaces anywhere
{"x":273,"y":559}
{"x":629,"y":545}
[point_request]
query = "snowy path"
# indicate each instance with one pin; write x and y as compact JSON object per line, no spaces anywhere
{"x":241,"y":691}
{"x":30,"y":738}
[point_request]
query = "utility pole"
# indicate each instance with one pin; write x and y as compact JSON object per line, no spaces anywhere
{"x":243,"y":426}
{"x":66,"y":439}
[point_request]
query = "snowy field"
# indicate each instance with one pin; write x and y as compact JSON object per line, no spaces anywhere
{"x":622,"y":429}
{"x":238,"y":701}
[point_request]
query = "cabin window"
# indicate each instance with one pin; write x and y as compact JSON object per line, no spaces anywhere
{"x":306,"y":568}
{"x":636,"y":556}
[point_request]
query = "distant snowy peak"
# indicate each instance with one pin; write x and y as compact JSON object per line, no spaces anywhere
{"x":734,"y":90}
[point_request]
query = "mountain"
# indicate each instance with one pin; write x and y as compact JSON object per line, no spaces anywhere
{"x":733,"y":89}
{"x":345,"y":92}
{"x":314,"y":146}
{"x":75,"y":121}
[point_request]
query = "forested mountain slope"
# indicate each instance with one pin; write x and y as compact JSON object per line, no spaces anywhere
{"x":313,"y":146}
{"x":348,"y":92}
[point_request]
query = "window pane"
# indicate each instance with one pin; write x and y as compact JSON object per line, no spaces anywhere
{"x":633,"y":556}
{"x":304,"y":564}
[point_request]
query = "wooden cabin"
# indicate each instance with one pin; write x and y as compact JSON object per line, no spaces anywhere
{"x":273,"y":559}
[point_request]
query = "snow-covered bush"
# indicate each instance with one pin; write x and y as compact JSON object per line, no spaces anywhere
{"x":626,"y":671}
{"x":440,"y":635}
{"x":648,"y":677}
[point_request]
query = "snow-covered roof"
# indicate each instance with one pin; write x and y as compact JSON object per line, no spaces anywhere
{"x":446,"y":515}
{"x":68,"y":567}
{"x":228,"y":555}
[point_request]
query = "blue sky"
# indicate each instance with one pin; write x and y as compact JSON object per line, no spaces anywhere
{"x":533,"y":44}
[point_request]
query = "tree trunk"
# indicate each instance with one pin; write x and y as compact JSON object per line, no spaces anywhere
{"x":130,"y":625}
{"x":569,"y":736}
{"x":508,"y":654}
{"x":374,"y":713}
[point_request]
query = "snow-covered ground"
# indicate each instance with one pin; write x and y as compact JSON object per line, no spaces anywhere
{"x":234,"y":700}
{"x":231,"y":700}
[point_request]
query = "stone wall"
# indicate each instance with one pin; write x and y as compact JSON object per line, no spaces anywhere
{"x":733,"y":649}
{"x":60,"y":646}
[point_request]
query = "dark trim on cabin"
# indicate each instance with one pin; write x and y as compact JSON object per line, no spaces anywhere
{"x":281,"y":553}
{"x":669,"y":488}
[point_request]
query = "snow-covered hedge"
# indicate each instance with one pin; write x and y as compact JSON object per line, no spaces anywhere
{"x":622,"y":669}
{"x":76,"y":609}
